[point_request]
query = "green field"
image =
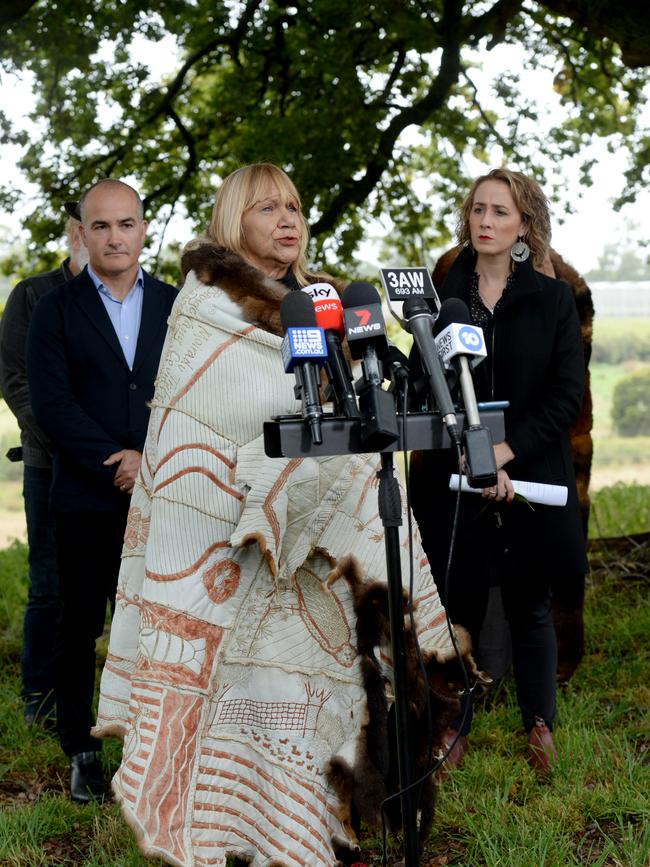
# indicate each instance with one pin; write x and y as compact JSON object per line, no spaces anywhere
{"x":607,"y":327}
{"x":491,"y":813}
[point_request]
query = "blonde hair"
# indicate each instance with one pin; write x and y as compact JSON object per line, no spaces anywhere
{"x":529,"y":200}
{"x":239,"y":192}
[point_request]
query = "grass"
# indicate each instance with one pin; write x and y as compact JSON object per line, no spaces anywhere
{"x":619,"y":510}
{"x":596,"y":811}
{"x":491,"y":812}
{"x":609,"y":327}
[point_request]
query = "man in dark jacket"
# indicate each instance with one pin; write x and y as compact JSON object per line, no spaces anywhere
{"x":42,"y":610}
{"x":93,"y":350}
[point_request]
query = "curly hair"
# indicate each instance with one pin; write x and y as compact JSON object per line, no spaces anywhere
{"x":529,"y":200}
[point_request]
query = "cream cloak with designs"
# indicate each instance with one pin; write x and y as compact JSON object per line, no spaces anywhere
{"x":232,"y":671}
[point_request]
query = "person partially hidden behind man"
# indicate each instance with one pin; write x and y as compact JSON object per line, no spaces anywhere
{"x":42,"y":609}
{"x":92,"y":354}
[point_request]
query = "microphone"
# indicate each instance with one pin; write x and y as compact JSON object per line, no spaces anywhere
{"x":329,"y":316}
{"x":304,"y":352}
{"x":461,"y":346}
{"x":366,"y":335}
{"x":460,"y":343}
{"x":419,"y":322}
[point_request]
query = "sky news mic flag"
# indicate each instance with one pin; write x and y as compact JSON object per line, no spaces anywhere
{"x":329,"y":316}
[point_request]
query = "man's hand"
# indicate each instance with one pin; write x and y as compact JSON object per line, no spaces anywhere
{"x":128,"y":461}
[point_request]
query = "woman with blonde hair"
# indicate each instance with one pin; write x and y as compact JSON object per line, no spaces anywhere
{"x":235,"y":672}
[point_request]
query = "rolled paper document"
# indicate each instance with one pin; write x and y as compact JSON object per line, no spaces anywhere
{"x":534,"y":492}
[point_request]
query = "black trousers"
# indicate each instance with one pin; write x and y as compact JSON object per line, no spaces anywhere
{"x":89,"y":547}
{"x":527,"y":606}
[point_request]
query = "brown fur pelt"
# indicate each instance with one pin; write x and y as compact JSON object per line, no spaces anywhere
{"x":374,"y":776}
{"x":567,"y":601}
{"x":258,"y":296}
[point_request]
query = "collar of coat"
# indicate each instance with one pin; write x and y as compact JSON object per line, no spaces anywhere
{"x":457,"y":283}
{"x":258,"y":296}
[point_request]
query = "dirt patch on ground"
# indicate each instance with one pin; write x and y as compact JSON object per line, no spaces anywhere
{"x":632,"y":474}
{"x":12,"y":526}
{"x":17,"y":790}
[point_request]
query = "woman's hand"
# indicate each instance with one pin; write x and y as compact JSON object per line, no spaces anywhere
{"x":503,"y":454}
{"x":504,"y":489}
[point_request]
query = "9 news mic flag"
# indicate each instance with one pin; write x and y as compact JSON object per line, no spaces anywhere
{"x":304,"y":352}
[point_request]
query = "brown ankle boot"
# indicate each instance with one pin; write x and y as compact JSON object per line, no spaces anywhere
{"x":542,"y":755}
{"x":455,"y":756}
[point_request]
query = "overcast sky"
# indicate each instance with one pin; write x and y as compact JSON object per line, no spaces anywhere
{"x":580,"y":238}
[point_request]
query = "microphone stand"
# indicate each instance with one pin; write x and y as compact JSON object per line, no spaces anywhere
{"x":390,"y":512}
{"x":288,"y":436}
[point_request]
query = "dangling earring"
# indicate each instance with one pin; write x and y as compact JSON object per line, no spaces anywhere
{"x":520,"y":250}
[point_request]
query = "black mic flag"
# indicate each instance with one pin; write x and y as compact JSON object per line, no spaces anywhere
{"x":419,"y":322}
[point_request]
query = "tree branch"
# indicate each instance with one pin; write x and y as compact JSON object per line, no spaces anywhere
{"x":492,"y":23}
{"x":625,"y":23}
{"x":10,"y":13}
{"x":355,"y":192}
{"x":488,"y":123}
{"x":165,"y":104}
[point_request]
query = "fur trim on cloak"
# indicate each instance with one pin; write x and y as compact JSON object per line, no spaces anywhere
{"x":258,"y":296}
{"x":374,"y":776}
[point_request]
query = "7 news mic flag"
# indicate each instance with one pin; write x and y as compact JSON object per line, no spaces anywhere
{"x":366,"y":334}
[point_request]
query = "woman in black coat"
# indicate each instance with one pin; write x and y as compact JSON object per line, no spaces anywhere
{"x":535,"y":362}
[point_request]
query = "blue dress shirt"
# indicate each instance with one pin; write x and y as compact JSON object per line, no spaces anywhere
{"x":125,"y":315}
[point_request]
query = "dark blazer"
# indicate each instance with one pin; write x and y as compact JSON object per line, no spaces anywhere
{"x":83,"y":394}
{"x":536,"y":362}
{"x":36,"y":451}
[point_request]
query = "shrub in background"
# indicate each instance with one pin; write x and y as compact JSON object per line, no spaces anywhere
{"x":616,"y":348}
{"x":631,"y":404}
